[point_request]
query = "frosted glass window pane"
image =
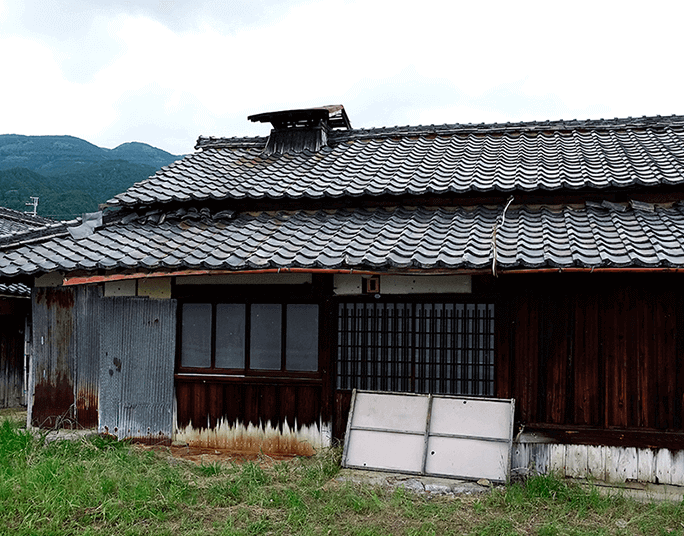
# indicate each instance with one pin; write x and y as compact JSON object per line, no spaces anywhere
{"x":265,"y":336}
{"x":230,"y":335}
{"x":301,"y":349}
{"x":196,"y":335}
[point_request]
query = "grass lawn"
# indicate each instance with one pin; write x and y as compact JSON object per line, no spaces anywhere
{"x":101,"y":486}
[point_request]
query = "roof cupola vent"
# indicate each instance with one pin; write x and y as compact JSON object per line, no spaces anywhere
{"x":295,"y":131}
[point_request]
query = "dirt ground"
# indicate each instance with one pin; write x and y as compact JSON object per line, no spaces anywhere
{"x":196,"y":455}
{"x":200,"y":455}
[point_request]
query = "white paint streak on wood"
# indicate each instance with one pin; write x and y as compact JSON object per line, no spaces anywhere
{"x":237,"y":437}
{"x":540,"y":457}
{"x":646,"y":466}
{"x":610,"y":464}
{"x":522,"y":461}
{"x":663,"y":462}
{"x":630,"y":461}
{"x":596,"y":462}
{"x":557,"y":459}
{"x":677,"y":468}
{"x":576,"y":461}
{"x":621,"y":464}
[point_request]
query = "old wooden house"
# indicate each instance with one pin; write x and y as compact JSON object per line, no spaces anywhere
{"x":15,"y":312}
{"x":235,"y":298}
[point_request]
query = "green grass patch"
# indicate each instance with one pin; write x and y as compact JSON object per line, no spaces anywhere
{"x":98,"y":486}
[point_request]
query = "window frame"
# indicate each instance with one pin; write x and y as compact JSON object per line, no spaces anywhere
{"x":248,"y":301}
{"x":342,"y":380}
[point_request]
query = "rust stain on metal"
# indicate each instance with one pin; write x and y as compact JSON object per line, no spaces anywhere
{"x":86,"y":408}
{"x":250,"y":439}
{"x":54,"y":406}
{"x":59,"y":297}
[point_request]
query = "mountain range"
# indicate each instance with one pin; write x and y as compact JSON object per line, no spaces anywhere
{"x":69,"y":175}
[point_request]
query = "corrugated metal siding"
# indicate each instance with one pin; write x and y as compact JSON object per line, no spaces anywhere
{"x":137,"y":355}
{"x":11,"y":360}
{"x":87,"y":325}
{"x":52,"y":374}
{"x":64,"y":368}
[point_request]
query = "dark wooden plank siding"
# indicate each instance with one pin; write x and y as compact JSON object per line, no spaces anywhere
{"x":526,"y":355}
{"x":12,"y":360}
{"x":342,"y":405}
{"x":586,"y":375}
{"x":204,"y":402}
{"x":592,"y":351}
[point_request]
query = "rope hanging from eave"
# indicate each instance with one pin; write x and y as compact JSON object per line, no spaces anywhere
{"x":499,"y":221}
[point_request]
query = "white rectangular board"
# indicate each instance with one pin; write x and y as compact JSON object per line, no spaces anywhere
{"x":386,"y":451}
{"x":460,"y":437}
{"x":391,"y":412}
{"x":467,"y":458}
{"x":468,"y":417}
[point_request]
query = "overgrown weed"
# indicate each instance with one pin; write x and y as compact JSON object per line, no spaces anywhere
{"x":99,"y":485}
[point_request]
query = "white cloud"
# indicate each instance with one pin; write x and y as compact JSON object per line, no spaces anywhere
{"x":165,"y":72}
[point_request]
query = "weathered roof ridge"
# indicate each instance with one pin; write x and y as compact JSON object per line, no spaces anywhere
{"x":521,"y":127}
{"x":24,"y":217}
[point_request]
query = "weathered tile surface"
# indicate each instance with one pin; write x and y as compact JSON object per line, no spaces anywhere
{"x":547,"y":156}
{"x":397,"y":238}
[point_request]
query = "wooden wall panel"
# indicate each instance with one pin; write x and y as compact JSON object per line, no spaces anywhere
{"x":586,"y":377}
{"x":206,"y":402}
{"x":526,"y":344}
{"x":616,"y":318}
{"x":11,"y":360}
{"x":594,"y":351}
{"x":555,"y":331}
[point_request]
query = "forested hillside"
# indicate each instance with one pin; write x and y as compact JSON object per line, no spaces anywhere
{"x":70,"y":175}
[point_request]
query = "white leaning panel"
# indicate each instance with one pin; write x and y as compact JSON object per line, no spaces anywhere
{"x":386,"y":451}
{"x":390,"y":412}
{"x":467,"y":458}
{"x":471,"y":417}
{"x":461,"y":437}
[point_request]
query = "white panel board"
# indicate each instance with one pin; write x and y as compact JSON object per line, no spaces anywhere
{"x":390,"y":412}
{"x":127,"y":287}
{"x":430,"y":434}
{"x":386,"y":451}
{"x":352,"y":284}
{"x":467,"y":458}
{"x":469,"y":417}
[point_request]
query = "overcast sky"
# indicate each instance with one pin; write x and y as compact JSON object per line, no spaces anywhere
{"x":165,"y":71}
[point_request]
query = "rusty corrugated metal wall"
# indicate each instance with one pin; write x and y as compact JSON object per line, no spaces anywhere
{"x":137,"y":358}
{"x":65,"y":325}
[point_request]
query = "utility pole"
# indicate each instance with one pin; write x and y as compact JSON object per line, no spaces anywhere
{"x":33,"y":203}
